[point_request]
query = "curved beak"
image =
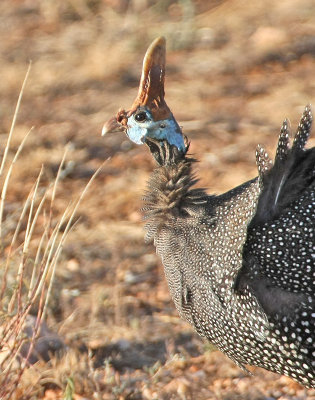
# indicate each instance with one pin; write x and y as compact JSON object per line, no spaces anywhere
{"x":110,"y":126}
{"x":151,"y":89}
{"x":115,"y":124}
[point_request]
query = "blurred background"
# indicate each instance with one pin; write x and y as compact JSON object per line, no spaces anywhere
{"x":235,"y":70}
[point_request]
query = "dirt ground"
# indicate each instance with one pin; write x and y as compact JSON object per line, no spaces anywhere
{"x":235,"y":70}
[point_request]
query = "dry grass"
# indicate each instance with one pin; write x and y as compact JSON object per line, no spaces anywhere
{"x":32,"y":239}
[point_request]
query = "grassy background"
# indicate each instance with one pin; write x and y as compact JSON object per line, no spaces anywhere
{"x":235,"y":70}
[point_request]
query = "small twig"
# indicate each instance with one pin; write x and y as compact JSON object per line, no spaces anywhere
{"x":14,"y":118}
{"x":53,"y":195}
{"x":67,"y":229}
{"x":7,"y":178}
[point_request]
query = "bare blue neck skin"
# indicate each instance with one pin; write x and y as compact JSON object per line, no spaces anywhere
{"x":166,"y":129}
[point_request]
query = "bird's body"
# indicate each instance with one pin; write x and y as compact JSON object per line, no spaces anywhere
{"x":240,"y":284}
{"x":240,"y":266}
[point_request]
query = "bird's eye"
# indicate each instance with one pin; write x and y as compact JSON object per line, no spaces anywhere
{"x":141,"y":116}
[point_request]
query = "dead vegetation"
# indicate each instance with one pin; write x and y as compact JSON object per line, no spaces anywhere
{"x":235,"y":70}
{"x":32,"y":239}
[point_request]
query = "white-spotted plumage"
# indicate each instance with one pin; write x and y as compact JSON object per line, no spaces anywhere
{"x":240,"y":266}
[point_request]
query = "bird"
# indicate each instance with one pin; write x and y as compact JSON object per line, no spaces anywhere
{"x":240,"y":266}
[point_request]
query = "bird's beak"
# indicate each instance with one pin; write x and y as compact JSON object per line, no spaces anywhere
{"x":110,"y":126}
{"x":115,"y":124}
{"x":151,"y":89}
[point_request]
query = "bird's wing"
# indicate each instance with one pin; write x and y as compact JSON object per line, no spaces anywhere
{"x":292,"y":174}
{"x":279,"y":252}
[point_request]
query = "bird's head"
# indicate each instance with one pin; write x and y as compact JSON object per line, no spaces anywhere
{"x":149,"y":115}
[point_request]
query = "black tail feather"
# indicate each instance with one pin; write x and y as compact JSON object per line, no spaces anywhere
{"x":284,"y":141}
{"x":304,"y":129}
{"x":292,"y":173}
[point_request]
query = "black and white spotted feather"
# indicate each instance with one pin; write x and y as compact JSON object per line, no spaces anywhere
{"x":240,"y":266}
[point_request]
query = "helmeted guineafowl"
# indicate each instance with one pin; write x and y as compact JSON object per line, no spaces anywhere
{"x":240,"y":266}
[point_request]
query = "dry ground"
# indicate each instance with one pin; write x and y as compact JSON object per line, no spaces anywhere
{"x":235,"y":70}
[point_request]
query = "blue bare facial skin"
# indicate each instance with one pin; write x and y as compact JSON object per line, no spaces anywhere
{"x":141,"y":125}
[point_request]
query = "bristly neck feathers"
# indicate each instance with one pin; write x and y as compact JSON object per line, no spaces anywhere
{"x":170,"y":193}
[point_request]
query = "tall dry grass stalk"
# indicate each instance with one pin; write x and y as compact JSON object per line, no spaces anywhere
{"x":30,"y":249}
